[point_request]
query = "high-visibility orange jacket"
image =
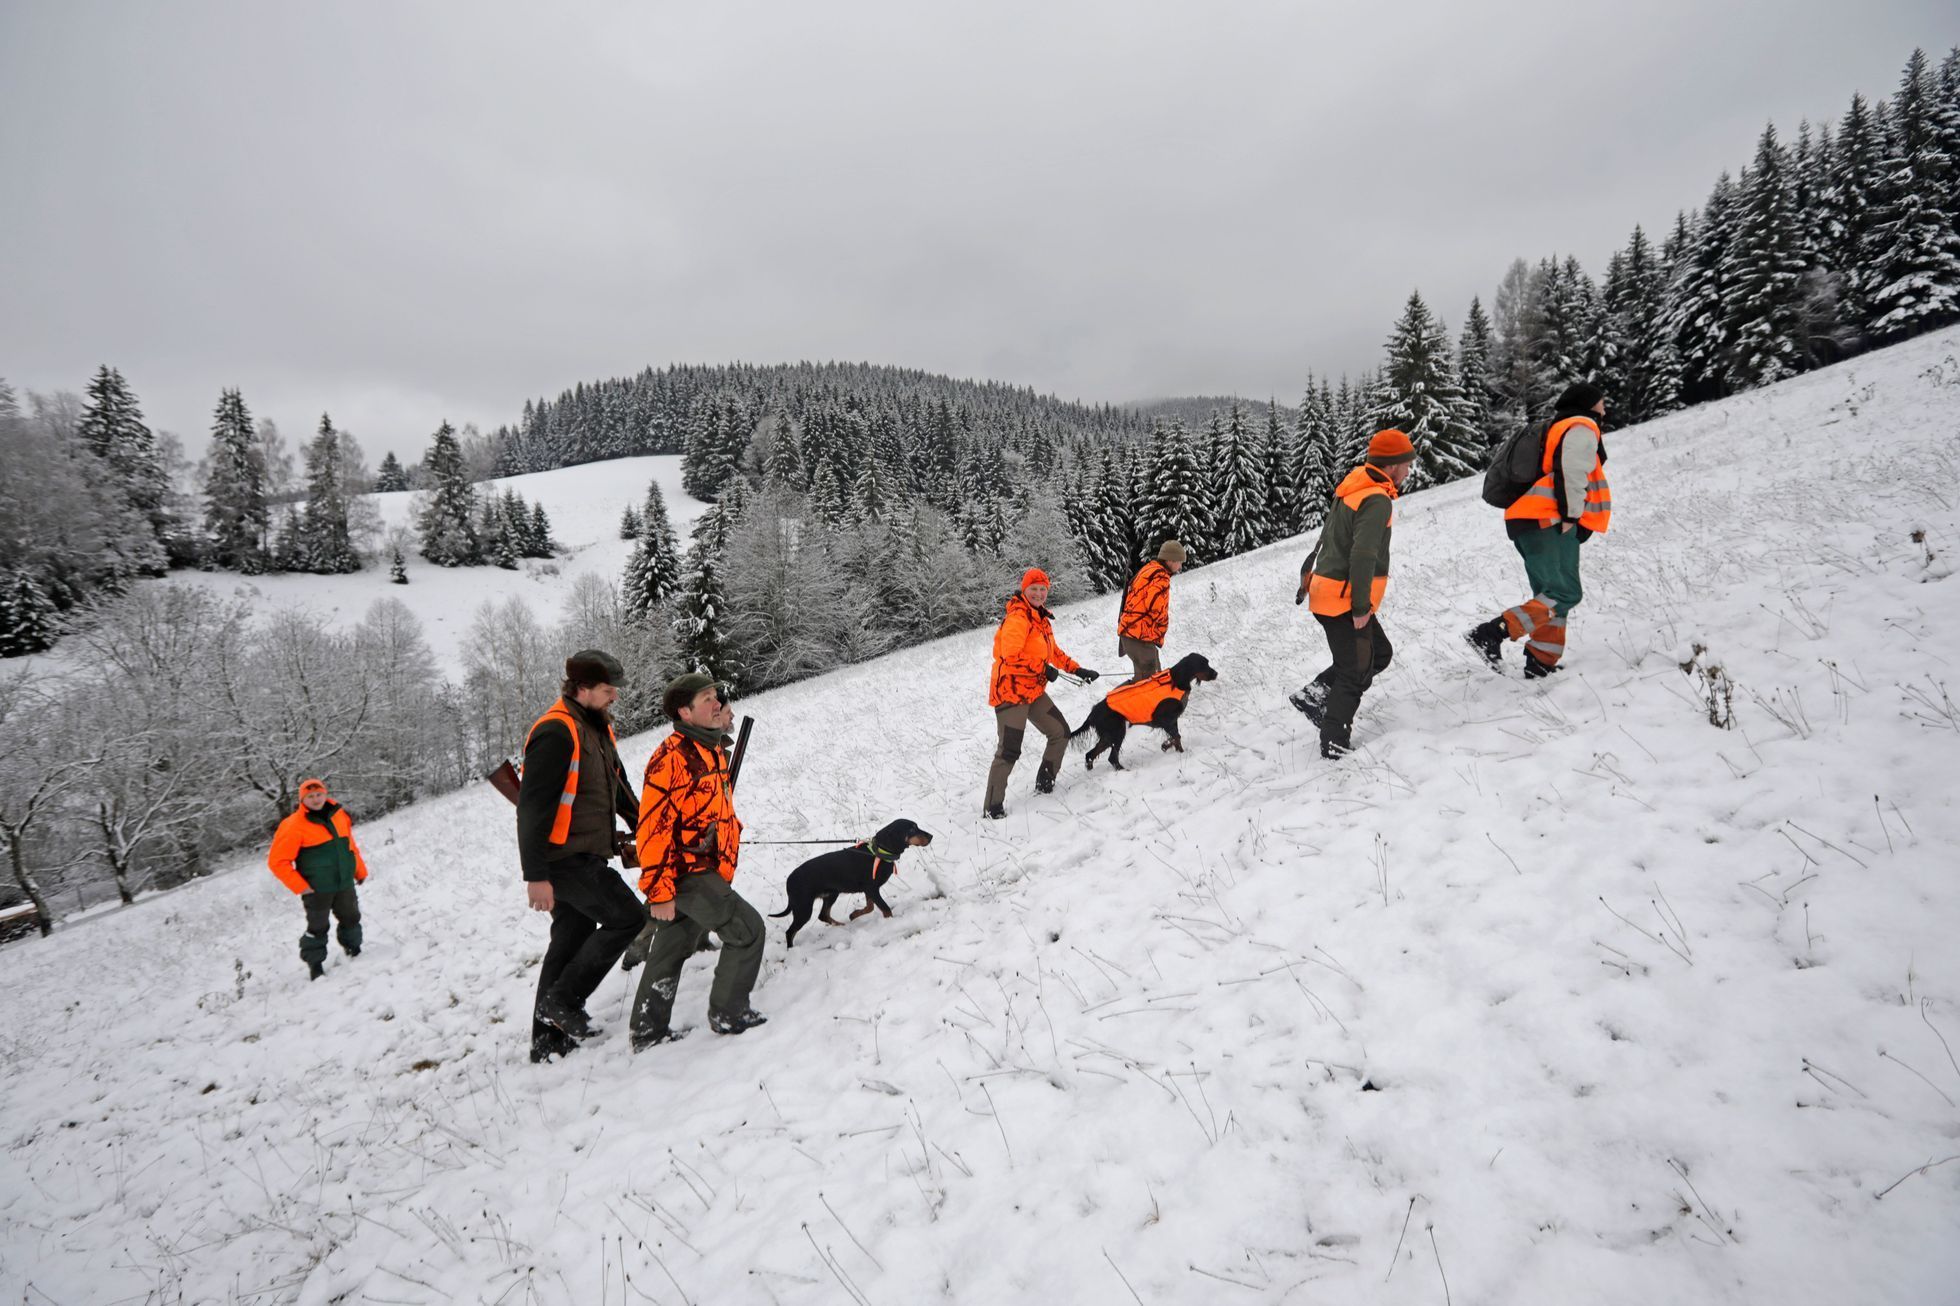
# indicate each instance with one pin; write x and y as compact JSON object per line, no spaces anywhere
{"x":1136,"y":702}
{"x":687,"y":816}
{"x":561,"y":820}
{"x":1353,"y":549}
{"x":1548,"y":501}
{"x":1146,"y":613}
{"x":315,"y":852}
{"x":1024,"y":648}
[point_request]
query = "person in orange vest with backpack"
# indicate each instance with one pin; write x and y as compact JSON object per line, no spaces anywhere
{"x":1026,"y":659}
{"x":573,"y":792}
{"x":1343,"y":583}
{"x":314,"y":855}
{"x":1145,"y":617}
{"x":1567,"y":505}
{"x":689,"y":840}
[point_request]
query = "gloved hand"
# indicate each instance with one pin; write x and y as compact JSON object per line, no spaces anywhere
{"x":1299,"y":596}
{"x":1052,"y":674}
{"x":1087,"y":674}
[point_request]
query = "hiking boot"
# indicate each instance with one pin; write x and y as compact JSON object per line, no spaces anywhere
{"x":997,"y":812}
{"x":352,"y":952}
{"x":1334,"y":749}
{"x":1044,"y":781}
{"x":315,"y":969}
{"x":566,"y":1019}
{"x":1488,"y":639}
{"x":747,"y":1018}
{"x":641,"y":1042}
{"x":1536,"y":670}
{"x":551,"y":1044}
{"x":1311,"y":699}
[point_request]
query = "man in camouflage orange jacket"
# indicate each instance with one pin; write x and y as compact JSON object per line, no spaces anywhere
{"x":1145,"y":617}
{"x":689,"y":839}
{"x":1026,"y":658}
{"x":314,"y":854}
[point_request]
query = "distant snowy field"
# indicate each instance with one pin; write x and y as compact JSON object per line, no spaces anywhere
{"x":1554,"y":993}
{"x":584,"y":504}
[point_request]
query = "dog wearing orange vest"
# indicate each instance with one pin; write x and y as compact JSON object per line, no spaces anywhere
{"x":1158,"y":702}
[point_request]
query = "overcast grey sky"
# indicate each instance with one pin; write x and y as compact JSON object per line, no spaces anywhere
{"x":402,"y":212}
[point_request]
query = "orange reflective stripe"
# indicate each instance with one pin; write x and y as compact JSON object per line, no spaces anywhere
{"x":1540,"y":502}
{"x":561,"y":821}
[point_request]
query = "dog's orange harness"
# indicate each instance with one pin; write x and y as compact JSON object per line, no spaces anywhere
{"x":1136,"y":703}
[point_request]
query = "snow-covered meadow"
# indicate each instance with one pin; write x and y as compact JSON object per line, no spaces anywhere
{"x":1553,"y":993}
{"x":584,"y":504}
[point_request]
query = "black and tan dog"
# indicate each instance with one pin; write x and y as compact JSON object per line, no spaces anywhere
{"x":1158,"y":701}
{"x":862,"y":868}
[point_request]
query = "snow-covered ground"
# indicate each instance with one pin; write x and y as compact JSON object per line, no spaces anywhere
{"x":1553,"y":993}
{"x":584,"y":504}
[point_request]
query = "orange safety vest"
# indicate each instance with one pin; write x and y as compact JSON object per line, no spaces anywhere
{"x":561,"y":823}
{"x":1540,"y":502}
{"x":1327,"y":597}
{"x":1146,"y":613}
{"x":1138,"y":702}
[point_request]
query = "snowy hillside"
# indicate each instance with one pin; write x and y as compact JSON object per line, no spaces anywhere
{"x":584,"y":504}
{"x":1553,"y":993}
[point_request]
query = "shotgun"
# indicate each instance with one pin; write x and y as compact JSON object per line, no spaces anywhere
{"x":741,"y":747}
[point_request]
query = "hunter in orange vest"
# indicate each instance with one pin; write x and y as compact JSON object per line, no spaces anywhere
{"x":314,"y":854}
{"x":1026,"y":658}
{"x":569,"y":801}
{"x":689,"y":838}
{"x":1343,"y":586}
{"x":1566,"y":506}
{"x":1145,"y":617}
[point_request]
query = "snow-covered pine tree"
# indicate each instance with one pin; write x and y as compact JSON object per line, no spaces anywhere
{"x":542,"y":545}
{"x":629,"y":523}
{"x":446,"y":520}
{"x":701,"y":607}
{"x":1171,"y":503}
{"x":1703,"y":281}
{"x":1648,"y":371}
{"x":1238,"y":470}
{"x":1417,"y":394}
{"x":112,"y":428}
{"x":1314,"y":448}
{"x":871,"y":497}
{"x":234,"y":489}
{"x":329,"y":549}
{"x":828,"y":499}
{"x":1473,"y":382}
{"x":392,"y":477}
{"x":1118,"y":539}
{"x":1915,"y":282}
{"x":1851,"y":204}
{"x":397,"y":568}
{"x":1282,"y":492}
{"x":27,"y":616}
{"x":1765,"y":310}
{"x":1946,"y":128}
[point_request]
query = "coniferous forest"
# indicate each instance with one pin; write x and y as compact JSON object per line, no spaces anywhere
{"x":856,"y":508}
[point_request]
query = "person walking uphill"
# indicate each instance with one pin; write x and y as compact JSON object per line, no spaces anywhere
{"x":1567,"y":505}
{"x":314,"y":855}
{"x":1146,"y":614}
{"x":1026,"y":658}
{"x":1344,"y":590}
{"x":689,"y":839}
{"x":573,"y":792}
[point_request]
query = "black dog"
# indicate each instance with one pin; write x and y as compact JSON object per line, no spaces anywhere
{"x":1158,"y":701}
{"x":862,"y":868}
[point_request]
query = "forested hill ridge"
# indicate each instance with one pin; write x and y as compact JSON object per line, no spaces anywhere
{"x":661,"y":410}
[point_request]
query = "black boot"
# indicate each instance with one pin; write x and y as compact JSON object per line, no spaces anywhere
{"x":736,"y":1022}
{"x":1488,"y":639}
{"x":1044,"y":781}
{"x":564,"y":1018}
{"x":315,"y":968}
{"x":995,"y":813}
{"x":1335,"y":747}
{"x":1311,"y":699}
{"x":1536,"y":670}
